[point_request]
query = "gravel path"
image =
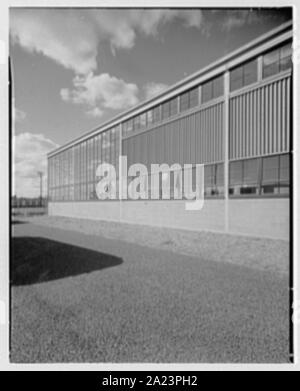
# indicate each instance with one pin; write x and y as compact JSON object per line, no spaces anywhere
{"x":87,"y":298}
{"x":258,"y":253}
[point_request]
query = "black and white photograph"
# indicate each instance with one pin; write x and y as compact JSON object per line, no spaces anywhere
{"x":150,"y":185}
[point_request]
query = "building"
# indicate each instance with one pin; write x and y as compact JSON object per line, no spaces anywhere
{"x":234,"y":116}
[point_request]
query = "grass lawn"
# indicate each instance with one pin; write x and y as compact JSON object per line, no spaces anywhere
{"x":87,"y":298}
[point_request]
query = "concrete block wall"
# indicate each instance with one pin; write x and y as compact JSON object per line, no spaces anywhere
{"x":255,"y":217}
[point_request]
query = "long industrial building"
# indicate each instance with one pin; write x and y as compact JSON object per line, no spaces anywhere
{"x":234,"y":116}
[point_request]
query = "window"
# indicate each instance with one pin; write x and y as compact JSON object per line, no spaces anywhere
{"x":189,"y":99}
{"x":219,"y":179}
{"x":218,"y":86}
{"x":243,"y":75}
{"x":250,"y":177}
{"x":244,"y":177}
{"x":275,"y":177}
{"x":143,"y":120}
{"x":136,"y":123}
{"x":165,"y":110}
{"x":207,"y":92}
{"x":173,"y":106}
{"x":127,"y":127}
{"x":250,"y":73}
{"x":260,"y":176}
{"x":284,"y":174}
{"x":149,"y":117}
{"x":194,"y":97}
{"x":214,"y":179}
{"x":285,"y":58}
{"x":169,"y":108}
{"x":156,"y":114}
{"x":184,"y":101}
{"x":277,"y":60}
{"x":212,"y":89}
{"x":208,"y":180}
{"x":270,"y":175}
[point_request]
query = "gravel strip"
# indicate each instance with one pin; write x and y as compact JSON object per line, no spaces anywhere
{"x":259,"y":253}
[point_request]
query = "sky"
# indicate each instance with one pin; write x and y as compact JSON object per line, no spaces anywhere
{"x":73,"y":69}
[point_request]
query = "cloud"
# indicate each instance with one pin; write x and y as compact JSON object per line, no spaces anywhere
{"x":62,"y":35}
{"x":151,"y":89}
{"x":95,"y":112}
{"x":18,"y":115}
{"x":233,"y":19}
{"x":71,"y":37}
{"x":30,"y":156}
{"x":100,"y":92}
{"x":121,"y":27}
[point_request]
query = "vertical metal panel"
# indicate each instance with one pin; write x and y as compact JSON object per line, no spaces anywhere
{"x":259,"y":120}
{"x":280,"y":92}
{"x":251,"y":133}
{"x":283,"y":117}
{"x":246,"y":136}
{"x":271,"y":118}
{"x":287,"y":108}
{"x":195,"y":138}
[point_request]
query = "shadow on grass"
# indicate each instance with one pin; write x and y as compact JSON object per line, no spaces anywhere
{"x":36,"y":260}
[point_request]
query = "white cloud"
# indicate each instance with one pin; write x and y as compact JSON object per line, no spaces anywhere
{"x":30,"y":156}
{"x":233,"y":19}
{"x":121,"y":27}
{"x":62,"y":35}
{"x":18,"y":115}
{"x":95,"y":112}
{"x":100,"y":92}
{"x":71,"y":37}
{"x":152,"y":89}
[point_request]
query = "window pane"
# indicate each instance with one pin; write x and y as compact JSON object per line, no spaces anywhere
{"x":251,"y":167}
{"x":156,"y":114}
{"x":149,"y":117}
{"x":271,"y":70}
{"x":143,"y":120}
{"x":174,"y":106}
{"x":284,"y":173}
{"x":166,"y":110}
{"x":235,"y":177}
{"x":209,"y":180}
{"x":129,"y":126}
{"x":270,"y":175}
{"x":206,"y":93}
{"x":271,"y":57}
{"x":271,"y":63}
{"x":236,"y":78}
{"x":286,"y":50}
{"x":236,"y":170}
{"x":136,"y":123}
{"x":220,"y":179}
{"x":250,"y":177}
{"x":218,"y":86}
{"x":270,"y":169}
{"x":285,"y":63}
{"x":184,"y":101}
{"x":194,"y":97}
{"x":250,"y":72}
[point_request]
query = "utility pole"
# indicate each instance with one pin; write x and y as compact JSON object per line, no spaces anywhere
{"x":41,"y":186}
